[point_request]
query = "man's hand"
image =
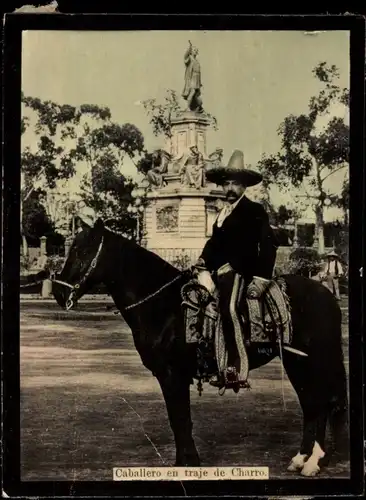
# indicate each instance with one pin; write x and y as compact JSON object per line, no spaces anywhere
{"x":257,"y":287}
{"x":204,"y":279}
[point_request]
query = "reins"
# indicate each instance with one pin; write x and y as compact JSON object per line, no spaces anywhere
{"x":154,"y":293}
{"x":151,"y":295}
{"x":75,"y":288}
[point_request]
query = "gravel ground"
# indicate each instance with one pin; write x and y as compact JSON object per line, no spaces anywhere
{"x":88,"y":404}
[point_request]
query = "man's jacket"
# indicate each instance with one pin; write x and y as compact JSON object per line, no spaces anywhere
{"x":245,"y":240}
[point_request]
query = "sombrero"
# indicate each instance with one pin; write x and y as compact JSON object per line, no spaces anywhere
{"x":332,"y":254}
{"x":234,"y":170}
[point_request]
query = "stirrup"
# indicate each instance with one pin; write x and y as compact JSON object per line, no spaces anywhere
{"x":217,"y":381}
{"x":232,"y":380}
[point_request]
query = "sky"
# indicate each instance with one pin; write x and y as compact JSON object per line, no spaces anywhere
{"x":251,"y":79}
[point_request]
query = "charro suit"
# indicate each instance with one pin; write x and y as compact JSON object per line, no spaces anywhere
{"x":247,"y":242}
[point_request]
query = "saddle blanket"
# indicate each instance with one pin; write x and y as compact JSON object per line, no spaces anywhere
{"x":268,"y":319}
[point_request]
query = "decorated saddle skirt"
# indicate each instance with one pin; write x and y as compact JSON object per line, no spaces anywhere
{"x":266,"y":319}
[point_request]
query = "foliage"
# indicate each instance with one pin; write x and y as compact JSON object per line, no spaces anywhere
{"x":304,"y":261}
{"x":148,"y":161}
{"x":108,"y":193}
{"x":282,"y":236}
{"x":182,"y":261}
{"x":342,"y":245}
{"x":307,"y":157}
{"x":54,"y":123}
{"x":161,"y":114}
{"x":25,"y":263}
{"x":68,"y":135}
{"x":283,"y":215}
{"x":36,"y":222}
{"x":55,"y":263}
{"x":305,"y":235}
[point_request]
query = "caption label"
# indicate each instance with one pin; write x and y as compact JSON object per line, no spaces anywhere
{"x":188,"y":473}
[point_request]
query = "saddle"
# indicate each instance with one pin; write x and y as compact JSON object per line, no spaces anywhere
{"x":266,"y":319}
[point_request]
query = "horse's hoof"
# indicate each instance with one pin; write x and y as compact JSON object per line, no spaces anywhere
{"x":297,"y":463}
{"x":294,"y":467}
{"x":310,"y":469}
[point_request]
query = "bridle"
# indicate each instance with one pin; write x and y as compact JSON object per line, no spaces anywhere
{"x":75,"y":289}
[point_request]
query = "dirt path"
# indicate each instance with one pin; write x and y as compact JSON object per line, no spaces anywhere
{"x":87,"y":405}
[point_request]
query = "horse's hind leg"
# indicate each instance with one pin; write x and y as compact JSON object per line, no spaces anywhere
{"x":175,"y":388}
{"x":312,"y":397}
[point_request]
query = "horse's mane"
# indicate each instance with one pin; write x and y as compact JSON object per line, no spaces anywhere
{"x":150,"y":261}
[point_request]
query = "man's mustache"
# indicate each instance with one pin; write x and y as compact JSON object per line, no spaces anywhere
{"x":231,"y":194}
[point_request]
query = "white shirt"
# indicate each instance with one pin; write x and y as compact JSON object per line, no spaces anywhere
{"x":226,"y":211}
{"x":332,"y":267}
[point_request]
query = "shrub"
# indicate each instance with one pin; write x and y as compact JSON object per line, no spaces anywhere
{"x":55,"y":263}
{"x":182,"y":261}
{"x":305,"y":261}
{"x":25,"y":263}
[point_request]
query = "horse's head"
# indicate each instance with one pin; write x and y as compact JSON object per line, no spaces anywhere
{"x":82,"y":267}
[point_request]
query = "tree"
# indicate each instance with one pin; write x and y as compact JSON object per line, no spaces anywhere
{"x":309,"y":158}
{"x":109,"y":194}
{"x":52,"y":159}
{"x":69,"y":135}
{"x":36,"y":222}
{"x":104,"y":187}
{"x":343,"y":201}
{"x":161,"y":114}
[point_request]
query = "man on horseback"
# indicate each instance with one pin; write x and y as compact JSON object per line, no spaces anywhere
{"x":239,"y":257}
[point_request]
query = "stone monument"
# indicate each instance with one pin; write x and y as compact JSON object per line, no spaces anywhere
{"x":182,"y":204}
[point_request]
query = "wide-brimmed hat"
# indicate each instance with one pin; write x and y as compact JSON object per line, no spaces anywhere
{"x":235,"y":170}
{"x":332,"y":254}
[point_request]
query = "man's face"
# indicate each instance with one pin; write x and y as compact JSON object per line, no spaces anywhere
{"x":233,"y":190}
{"x":195,"y":52}
{"x":194,"y":150}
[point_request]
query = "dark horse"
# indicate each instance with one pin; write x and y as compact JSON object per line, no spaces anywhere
{"x":146,"y":290}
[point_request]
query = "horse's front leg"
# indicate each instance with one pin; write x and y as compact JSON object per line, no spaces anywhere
{"x":175,"y":388}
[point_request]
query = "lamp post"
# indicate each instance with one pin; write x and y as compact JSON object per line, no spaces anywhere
{"x":302,"y":204}
{"x":293,"y":221}
{"x":136,"y":207}
{"x":74,"y":206}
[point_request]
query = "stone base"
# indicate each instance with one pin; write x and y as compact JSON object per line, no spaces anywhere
{"x":178,"y":220}
{"x":188,"y":129}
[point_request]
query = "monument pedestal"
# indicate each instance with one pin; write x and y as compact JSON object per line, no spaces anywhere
{"x":179,"y":218}
{"x":178,"y":223}
{"x":188,"y":129}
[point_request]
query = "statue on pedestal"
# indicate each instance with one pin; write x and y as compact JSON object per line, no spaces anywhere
{"x":160,"y":161}
{"x":192,"y":168}
{"x":192,"y":86}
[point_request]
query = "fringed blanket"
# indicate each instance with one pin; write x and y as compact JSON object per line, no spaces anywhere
{"x":269,"y":320}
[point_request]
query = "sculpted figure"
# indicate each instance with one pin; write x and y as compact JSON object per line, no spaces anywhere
{"x":193,"y":168}
{"x":215,"y":158}
{"x":192,"y":80}
{"x":160,"y":161}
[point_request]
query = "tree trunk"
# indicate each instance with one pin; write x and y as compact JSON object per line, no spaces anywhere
{"x":319,"y":228}
{"x":24,"y":239}
{"x":24,"y":246}
{"x":319,"y":211}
